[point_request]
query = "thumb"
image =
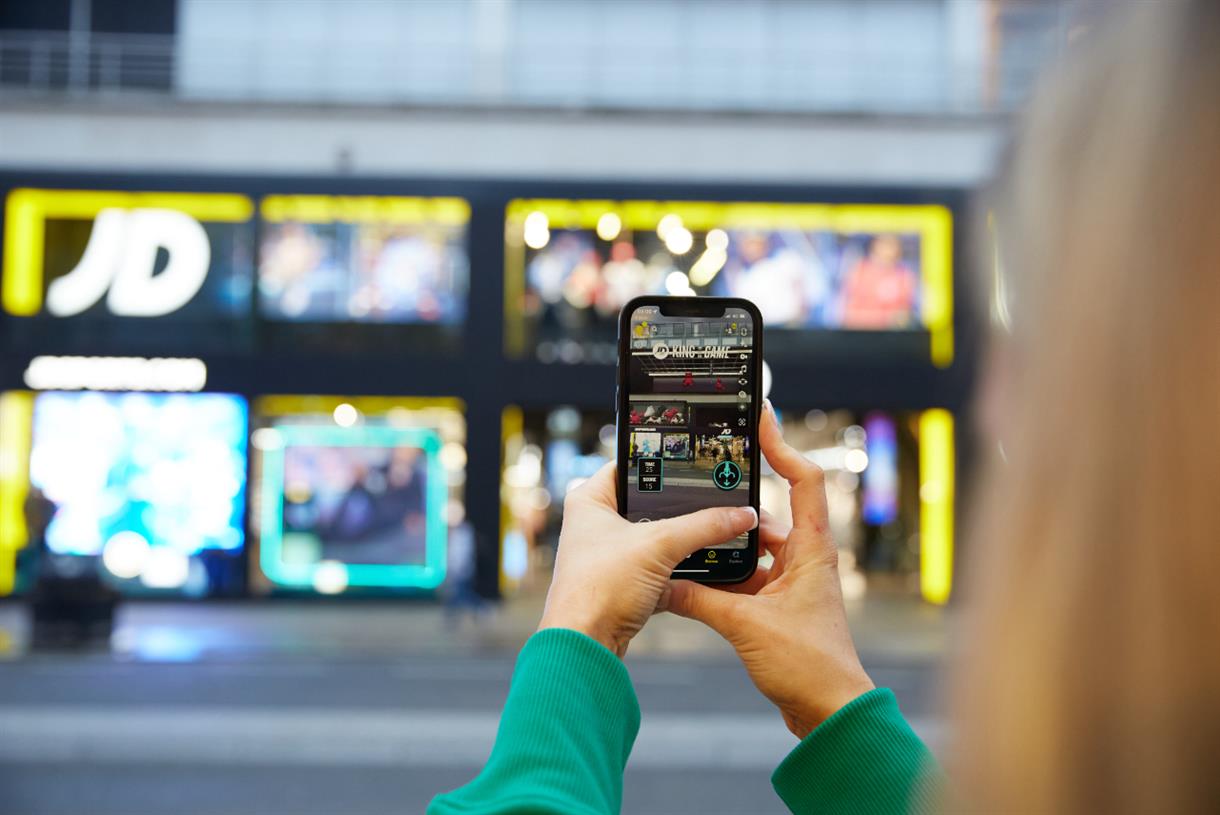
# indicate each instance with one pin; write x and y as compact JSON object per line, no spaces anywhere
{"x":720,"y":611}
{"x":678,"y":537}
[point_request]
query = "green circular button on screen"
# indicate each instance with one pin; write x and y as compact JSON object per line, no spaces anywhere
{"x":727,"y":475}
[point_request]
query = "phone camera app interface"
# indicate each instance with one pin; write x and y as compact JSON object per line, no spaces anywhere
{"x":689,"y":410}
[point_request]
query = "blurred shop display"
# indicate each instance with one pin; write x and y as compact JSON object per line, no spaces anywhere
{"x":146,"y":494}
{"x":881,"y":272}
{"x":180,"y":272}
{"x":85,"y":264}
{"x":545,"y":454}
{"x":144,"y":314}
{"x":145,"y":491}
{"x":345,"y":272}
{"x":358,"y":494}
{"x":363,"y":259}
{"x":889,"y":483}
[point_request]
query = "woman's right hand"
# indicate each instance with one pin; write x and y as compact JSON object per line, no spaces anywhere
{"x":788,"y":623}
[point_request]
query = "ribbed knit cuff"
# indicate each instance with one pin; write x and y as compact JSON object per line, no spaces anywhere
{"x":557,"y":663}
{"x":863,"y":759}
{"x":567,"y":728}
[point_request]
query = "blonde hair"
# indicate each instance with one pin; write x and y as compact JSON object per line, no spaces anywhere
{"x":1090,"y":678}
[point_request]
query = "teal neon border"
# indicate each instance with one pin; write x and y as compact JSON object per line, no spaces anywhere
{"x":428,"y":575}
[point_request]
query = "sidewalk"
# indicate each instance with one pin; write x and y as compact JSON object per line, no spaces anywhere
{"x":888,"y":629}
{"x":308,"y":707}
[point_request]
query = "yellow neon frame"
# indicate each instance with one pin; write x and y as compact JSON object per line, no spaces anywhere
{"x":27,"y":211}
{"x":325,"y":209}
{"x":936,"y":499}
{"x":512,"y":425}
{"x":16,"y":425}
{"x":297,"y":404}
{"x":933,"y":223}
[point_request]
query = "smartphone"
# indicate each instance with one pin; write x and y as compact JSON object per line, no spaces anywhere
{"x":687,"y":406}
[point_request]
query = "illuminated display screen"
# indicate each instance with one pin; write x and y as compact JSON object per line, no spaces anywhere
{"x":889,"y":486}
{"x":357,"y":494}
{"x":364,"y":259}
{"x":571,"y":265}
{"x":104,"y":254}
{"x":148,"y":482}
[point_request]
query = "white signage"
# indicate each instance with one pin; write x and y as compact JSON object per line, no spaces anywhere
{"x":116,"y":374}
{"x":120,"y":259}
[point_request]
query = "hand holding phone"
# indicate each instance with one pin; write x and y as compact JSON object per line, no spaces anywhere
{"x":611,"y":575}
{"x":788,"y":623}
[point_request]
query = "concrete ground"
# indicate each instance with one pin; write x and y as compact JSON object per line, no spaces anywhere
{"x":374,"y":708}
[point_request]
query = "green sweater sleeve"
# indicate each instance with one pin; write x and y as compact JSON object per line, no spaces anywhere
{"x":863,"y":759}
{"x":565,"y":734}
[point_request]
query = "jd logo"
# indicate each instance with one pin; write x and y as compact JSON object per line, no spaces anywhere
{"x":120,"y":259}
{"x":660,"y":350}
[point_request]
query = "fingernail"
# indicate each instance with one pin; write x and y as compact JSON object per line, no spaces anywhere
{"x":745,"y":515}
{"x":771,"y":412}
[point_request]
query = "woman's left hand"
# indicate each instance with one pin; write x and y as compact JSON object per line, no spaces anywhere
{"x":611,"y":574}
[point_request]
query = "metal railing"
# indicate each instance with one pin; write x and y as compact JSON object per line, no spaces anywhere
{"x":59,"y":64}
{"x":41,"y":63}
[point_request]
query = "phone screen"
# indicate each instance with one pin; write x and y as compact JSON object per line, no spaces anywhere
{"x":687,"y":419}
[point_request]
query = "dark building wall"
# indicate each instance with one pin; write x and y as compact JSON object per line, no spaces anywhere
{"x":135,"y":16}
{"x":108,"y":16}
{"x":34,"y":15}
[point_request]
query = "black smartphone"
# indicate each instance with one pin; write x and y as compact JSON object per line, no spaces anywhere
{"x":689,"y":393}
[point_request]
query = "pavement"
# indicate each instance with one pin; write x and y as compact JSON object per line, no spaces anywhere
{"x":374,"y":708}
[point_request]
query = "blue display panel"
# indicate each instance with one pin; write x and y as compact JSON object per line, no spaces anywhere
{"x":150,"y":484}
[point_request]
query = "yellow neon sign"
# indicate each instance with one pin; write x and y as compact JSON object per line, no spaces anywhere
{"x":27,"y":211}
{"x":325,"y":209}
{"x":933,"y":224}
{"x":936,"y":491}
{"x":297,"y":404}
{"x":16,"y":423}
{"x":512,"y":426}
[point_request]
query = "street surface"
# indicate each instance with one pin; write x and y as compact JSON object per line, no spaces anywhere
{"x":304,"y":709}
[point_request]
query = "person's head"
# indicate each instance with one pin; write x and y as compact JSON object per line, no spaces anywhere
{"x":754,"y":246}
{"x":1090,"y":680}
{"x":622,"y":251}
{"x":885,"y":250}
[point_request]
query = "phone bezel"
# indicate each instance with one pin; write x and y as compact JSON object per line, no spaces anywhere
{"x":696,"y":306}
